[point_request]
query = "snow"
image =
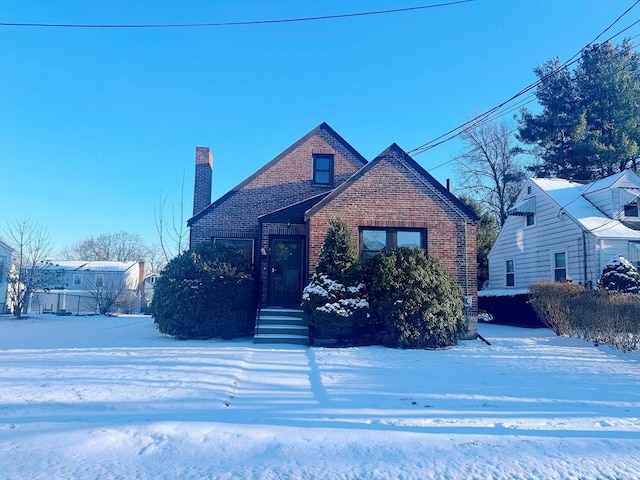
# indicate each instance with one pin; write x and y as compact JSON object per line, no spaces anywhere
{"x":569,"y":196}
{"x":111,"y":398}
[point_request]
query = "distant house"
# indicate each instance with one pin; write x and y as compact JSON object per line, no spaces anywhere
{"x":564,"y":231}
{"x":149,"y":287}
{"x":5,"y":265}
{"x":281,"y":213}
{"x":81,"y":287}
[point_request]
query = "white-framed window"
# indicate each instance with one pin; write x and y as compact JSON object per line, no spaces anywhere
{"x":634,"y":254}
{"x":99,"y":281}
{"x":245,"y":245}
{"x":77,"y":279}
{"x":559,"y":266}
{"x":530,"y":219}
{"x":510,"y":278}
{"x":631,"y":210}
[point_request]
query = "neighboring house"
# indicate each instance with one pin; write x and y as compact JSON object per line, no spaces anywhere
{"x":5,"y":265}
{"x":83,"y":287}
{"x":281,"y":213}
{"x":564,"y":231}
{"x":149,"y":287}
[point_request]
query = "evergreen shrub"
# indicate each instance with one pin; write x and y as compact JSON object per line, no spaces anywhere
{"x":334,"y":303}
{"x":206,"y":292}
{"x":620,"y":275}
{"x":414,"y":302}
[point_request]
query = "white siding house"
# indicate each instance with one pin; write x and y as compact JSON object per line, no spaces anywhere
{"x":81,"y":287}
{"x":564,"y":231}
{"x":5,"y":266}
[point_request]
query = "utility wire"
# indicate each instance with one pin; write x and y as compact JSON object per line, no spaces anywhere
{"x":482,"y":118}
{"x":232,"y":24}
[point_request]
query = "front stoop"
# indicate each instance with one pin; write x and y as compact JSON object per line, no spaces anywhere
{"x":281,"y":325}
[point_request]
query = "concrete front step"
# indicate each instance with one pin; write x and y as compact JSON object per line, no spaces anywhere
{"x":281,"y":325}
{"x":283,"y":329}
{"x":275,"y":339}
{"x":280,"y":320}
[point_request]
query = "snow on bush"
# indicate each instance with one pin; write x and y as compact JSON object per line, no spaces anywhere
{"x":333,"y":309}
{"x":619,"y":275}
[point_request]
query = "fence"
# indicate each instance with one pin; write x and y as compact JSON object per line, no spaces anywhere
{"x":80,"y":302}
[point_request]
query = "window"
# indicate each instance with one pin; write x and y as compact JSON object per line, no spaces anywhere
{"x":376,"y":240}
{"x":511,"y":274}
{"x":631,"y":210}
{"x":634,"y":254}
{"x":560,"y":266}
{"x":531,"y":219}
{"x":77,"y":279}
{"x":529,"y":190}
{"x":323,"y":169}
{"x":99,"y":281}
{"x":245,"y":245}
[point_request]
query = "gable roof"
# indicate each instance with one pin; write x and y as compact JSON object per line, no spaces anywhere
{"x":570,"y":198}
{"x":5,"y":247}
{"x":84,"y":266}
{"x":323,"y":130}
{"x":394,"y":151}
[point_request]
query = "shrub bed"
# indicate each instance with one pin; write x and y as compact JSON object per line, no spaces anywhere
{"x":595,"y":315}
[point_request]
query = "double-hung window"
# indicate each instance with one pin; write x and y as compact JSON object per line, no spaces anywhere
{"x":377,"y":240}
{"x":323,"y":169}
{"x":560,"y":266}
{"x":99,"y":281}
{"x":511,"y":274}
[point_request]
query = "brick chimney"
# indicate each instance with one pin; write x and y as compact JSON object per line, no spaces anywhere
{"x":204,"y":177}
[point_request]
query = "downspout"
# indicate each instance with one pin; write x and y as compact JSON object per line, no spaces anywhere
{"x":584,"y":257}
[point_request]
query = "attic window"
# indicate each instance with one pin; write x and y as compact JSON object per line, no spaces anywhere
{"x":323,"y":169}
{"x":631,"y":210}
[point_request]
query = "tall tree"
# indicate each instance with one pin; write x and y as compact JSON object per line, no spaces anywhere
{"x":490,"y":171}
{"x":172,"y":237}
{"x":117,"y":247}
{"x":33,"y":247}
{"x":486,"y":237}
{"x":589,"y":127}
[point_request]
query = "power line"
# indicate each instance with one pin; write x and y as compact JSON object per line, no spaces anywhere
{"x":232,"y":24}
{"x":482,"y":118}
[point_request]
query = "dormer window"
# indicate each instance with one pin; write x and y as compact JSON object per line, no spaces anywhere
{"x":631,"y":210}
{"x":323,"y":169}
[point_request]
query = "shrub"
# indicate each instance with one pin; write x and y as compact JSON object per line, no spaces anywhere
{"x":205,"y":293}
{"x":595,"y":315}
{"x":334,"y":310}
{"x":549,"y":300}
{"x":619,"y":275}
{"x":338,"y":257}
{"x":414,"y":301}
{"x":334,"y":303}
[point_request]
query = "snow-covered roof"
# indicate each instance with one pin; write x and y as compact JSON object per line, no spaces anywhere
{"x":100,"y":266}
{"x":569,"y":197}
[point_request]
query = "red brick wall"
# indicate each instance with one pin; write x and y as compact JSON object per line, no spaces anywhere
{"x":286,"y":181}
{"x":391,"y":194}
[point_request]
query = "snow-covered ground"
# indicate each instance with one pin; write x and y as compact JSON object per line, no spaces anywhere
{"x":99,"y":397}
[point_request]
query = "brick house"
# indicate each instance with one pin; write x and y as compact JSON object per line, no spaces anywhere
{"x":281,"y":213}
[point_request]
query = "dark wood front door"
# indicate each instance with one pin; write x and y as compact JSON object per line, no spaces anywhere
{"x":286,"y":272}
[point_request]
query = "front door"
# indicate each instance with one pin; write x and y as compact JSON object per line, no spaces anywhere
{"x":286,"y":272}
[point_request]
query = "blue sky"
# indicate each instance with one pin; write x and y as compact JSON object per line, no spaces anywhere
{"x":96,"y":123}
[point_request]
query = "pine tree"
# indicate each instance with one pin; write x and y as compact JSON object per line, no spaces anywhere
{"x":339,"y":254}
